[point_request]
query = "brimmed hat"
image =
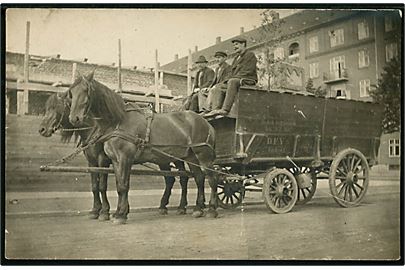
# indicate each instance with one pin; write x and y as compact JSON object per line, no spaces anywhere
{"x":239,"y":40}
{"x":220,"y":53}
{"x":201,"y":59}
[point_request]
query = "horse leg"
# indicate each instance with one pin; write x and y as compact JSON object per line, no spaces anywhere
{"x":199,"y":180}
{"x":181,"y":210}
{"x":95,"y":211}
{"x":105,"y":207}
{"x":213,"y":204}
{"x":169,"y":181}
{"x":122,"y":173}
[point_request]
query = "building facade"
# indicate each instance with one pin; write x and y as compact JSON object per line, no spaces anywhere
{"x":342,"y":52}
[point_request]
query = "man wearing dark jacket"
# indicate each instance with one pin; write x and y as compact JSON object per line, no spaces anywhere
{"x":203,"y":79}
{"x":222,"y":73}
{"x":243,"y":68}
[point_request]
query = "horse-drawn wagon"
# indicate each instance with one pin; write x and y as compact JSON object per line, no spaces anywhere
{"x":291,"y":140}
{"x":288,"y":139}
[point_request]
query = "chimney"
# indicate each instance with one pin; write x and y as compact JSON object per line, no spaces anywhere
{"x":176,"y":57}
{"x":85,"y":60}
{"x":242,"y":30}
{"x":135,"y":67}
{"x":196,"y":48}
{"x":58,"y":56}
{"x":113,"y":64}
{"x":218,"y":40}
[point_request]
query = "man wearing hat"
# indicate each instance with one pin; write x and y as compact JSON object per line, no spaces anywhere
{"x":222,"y":73}
{"x":243,"y":68}
{"x":203,"y":80}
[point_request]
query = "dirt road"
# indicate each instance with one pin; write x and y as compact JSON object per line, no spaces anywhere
{"x":318,"y":230}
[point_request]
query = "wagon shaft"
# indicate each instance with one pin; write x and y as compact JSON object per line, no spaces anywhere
{"x":111,"y":170}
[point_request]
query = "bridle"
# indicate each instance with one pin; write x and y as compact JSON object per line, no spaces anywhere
{"x":59,"y":126}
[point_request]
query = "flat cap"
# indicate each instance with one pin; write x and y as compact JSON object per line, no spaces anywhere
{"x":220,"y":53}
{"x":201,"y":59}
{"x":239,"y":40}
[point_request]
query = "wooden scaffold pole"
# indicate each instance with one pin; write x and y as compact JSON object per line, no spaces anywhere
{"x":157,"y":99}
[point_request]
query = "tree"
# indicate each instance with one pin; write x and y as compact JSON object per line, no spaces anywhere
{"x":319,"y":91}
{"x":388,"y":93}
{"x":272,"y":68}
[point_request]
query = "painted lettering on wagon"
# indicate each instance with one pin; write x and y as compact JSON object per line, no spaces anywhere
{"x":276,"y":145}
{"x":274,"y":125}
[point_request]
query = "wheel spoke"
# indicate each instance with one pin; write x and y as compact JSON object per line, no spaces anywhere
{"x":276,"y":201}
{"x":284,"y":201}
{"x":344,"y":197}
{"x":357,"y":185}
{"x":350,"y":193}
{"x":236,"y":197}
{"x":341,"y":183}
{"x":357,"y":164}
{"x":342,"y":173}
{"x":303,"y":194}
{"x":231,"y":197}
{"x":227,"y":200}
{"x":352,"y":164}
{"x":344,"y":165}
{"x":341,"y":190}
{"x":219,"y":193}
{"x":355,"y":191}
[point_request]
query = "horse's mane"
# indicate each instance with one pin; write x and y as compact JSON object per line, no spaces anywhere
{"x":54,"y":103}
{"x":107,"y":104}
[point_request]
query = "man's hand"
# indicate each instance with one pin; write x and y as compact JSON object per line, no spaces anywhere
{"x":205,"y":90}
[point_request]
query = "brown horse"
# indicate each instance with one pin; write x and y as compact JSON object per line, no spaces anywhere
{"x":57,"y":117}
{"x":57,"y":110}
{"x":132,"y":137}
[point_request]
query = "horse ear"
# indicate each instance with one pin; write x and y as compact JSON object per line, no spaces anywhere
{"x":90,"y":76}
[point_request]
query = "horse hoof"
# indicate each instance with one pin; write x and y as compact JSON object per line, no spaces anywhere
{"x":93,"y":215}
{"x":119,"y":221}
{"x":104,"y":217}
{"x":163,"y":212}
{"x":211,"y":213}
{"x":181,"y":211}
{"x":198,"y":213}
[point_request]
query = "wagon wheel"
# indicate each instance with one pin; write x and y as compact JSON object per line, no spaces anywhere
{"x":349,"y":177}
{"x":230,"y":193}
{"x":305,"y":194}
{"x":280,"y":191}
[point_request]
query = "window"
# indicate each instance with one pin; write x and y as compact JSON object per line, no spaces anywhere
{"x":388,"y":23}
{"x":314,"y":70}
{"x":391,"y":51}
{"x":394,"y":150}
{"x":337,"y":37}
{"x":364,"y":88}
{"x":364,"y":58}
{"x":313,"y":44}
{"x":362,"y":30}
{"x":294,"y":50}
{"x":337,"y":66}
{"x":340,"y":91}
{"x":279,"y":53}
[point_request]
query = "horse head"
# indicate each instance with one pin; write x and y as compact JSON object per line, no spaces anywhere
{"x":80,"y":93}
{"x":56,"y":114}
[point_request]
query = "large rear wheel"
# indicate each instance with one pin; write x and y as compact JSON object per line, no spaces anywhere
{"x":349,"y":177}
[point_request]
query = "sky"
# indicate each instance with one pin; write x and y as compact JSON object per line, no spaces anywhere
{"x":76,"y":34}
